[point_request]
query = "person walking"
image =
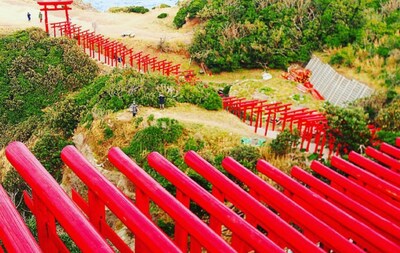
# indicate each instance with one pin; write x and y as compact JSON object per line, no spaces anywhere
{"x":134,"y":109}
{"x":29,"y":16}
{"x":161,"y":101}
{"x":40,"y":16}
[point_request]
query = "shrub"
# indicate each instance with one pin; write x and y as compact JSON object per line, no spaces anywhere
{"x":285,"y":142}
{"x":65,"y":116}
{"x":180,"y":17}
{"x":36,"y":71}
{"x":108,"y":132}
{"x":193,"y":144}
{"x":162,"y":15}
{"x":246,"y":155}
{"x":201,"y":95}
{"x":389,"y":117}
{"x":124,"y":86}
{"x":348,"y":126}
{"x":129,"y":9}
{"x":189,"y":10}
{"x":154,"y":138}
{"x":137,"y":9}
{"x":167,"y":226}
{"x":388,"y":136}
{"x":47,"y":150}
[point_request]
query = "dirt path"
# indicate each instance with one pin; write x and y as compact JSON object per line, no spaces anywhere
{"x":191,"y":114}
{"x":146,"y":27}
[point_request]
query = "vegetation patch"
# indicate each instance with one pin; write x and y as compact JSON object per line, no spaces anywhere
{"x":129,"y":9}
{"x":162,"y":15}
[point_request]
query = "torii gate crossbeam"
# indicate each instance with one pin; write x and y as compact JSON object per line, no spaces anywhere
{"x":54,"y":6}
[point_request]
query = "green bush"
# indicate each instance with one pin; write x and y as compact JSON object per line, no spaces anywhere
{"x":388,"y":136}
{"x":37,"y":71}
{"x":348,"y":126}
{"x":180,"y":17}
{"x":65,"y":116}
{"x":189,"y":10}
{"x":246,"y":155}
{"x":200,"y":95}
{"x":247,"y":34}
{"x":48,"y":150}
{"x":154,"y":138}
{"x":108,"y":132}
{"x":389,"y":117}
{"x":129,"y":9}
{"x":162,"y":15}
{"x":123,"y":87}
{"x":137,"y":9}
{"x":167,"y":227}
{"x":193,"y":144}
{"x":285,"y":142}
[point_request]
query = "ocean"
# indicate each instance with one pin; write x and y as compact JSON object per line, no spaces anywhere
{"x":104,"y":5}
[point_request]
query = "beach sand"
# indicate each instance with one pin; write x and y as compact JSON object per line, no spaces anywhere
{"x":146,"y":27}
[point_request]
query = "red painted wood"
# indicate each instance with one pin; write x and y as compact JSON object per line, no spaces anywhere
{"x":286,"y":207}
{"x":242,"y":200}
{"x":375,"y":168}
{"x":345,"y":224}
{"x":128,"y":213}
{"x":355,"y":209}
{"x":392,"y":163}
{"x":57,"y":201}
{"x":388,"y":191}
{"x":390,"y":150}
{"x":359,"y":193}
{"x":182,"y":216}
{"x":215,"y":208}
{"x":14,"y":234}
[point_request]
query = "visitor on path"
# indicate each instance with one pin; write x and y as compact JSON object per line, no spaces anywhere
{"x":94,"y":26}
{"x":40,"y":16}
{"x":134,"y":109}
{"x":29,"y":16}
{"x":161,"y":101}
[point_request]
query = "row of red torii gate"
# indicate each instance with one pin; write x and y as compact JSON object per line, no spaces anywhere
{"x":312,"y":125}
{"x":355,"y":209}
{"x":109,"y":51}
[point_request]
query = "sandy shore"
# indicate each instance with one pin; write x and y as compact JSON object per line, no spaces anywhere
{"x":146,"y":27}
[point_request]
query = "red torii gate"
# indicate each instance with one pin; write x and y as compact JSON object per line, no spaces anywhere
{"x":343,"y":214}
{"x":54,"y":6}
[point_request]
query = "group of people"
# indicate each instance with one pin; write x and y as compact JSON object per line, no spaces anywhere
{"x":134,"y":107}
{"x":40,"y":16}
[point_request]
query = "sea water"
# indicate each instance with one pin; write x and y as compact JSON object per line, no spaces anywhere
{"x":104,"y":5}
